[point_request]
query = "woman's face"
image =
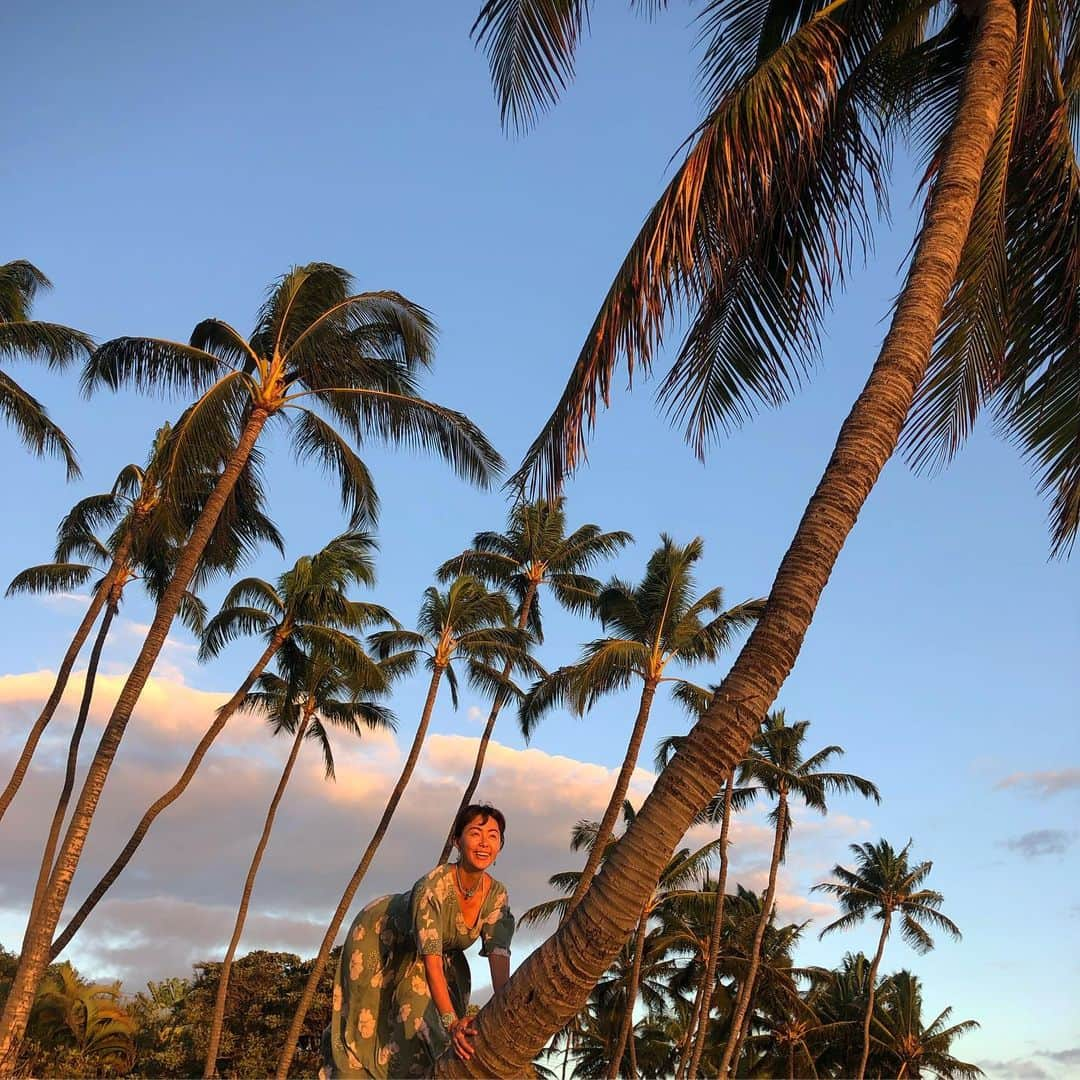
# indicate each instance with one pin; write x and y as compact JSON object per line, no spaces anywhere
{"x":479,"y":843}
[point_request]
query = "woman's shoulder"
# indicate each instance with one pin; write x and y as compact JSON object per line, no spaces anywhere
{"x":498,"y":890}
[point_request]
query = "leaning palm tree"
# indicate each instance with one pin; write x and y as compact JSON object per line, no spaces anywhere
{"x":308,"y":604}
{"x":885,"y":884}
{"x":658,"y":623}
{"x":21,"y":336}
{"x":466,"y":624}
{"x":316,"y":345}
{"x":911,"y":1045}
{"x":534,"y":551}
{"x":748,"y":232}
{"x":778,"y":766}
{"x":326,"y":686}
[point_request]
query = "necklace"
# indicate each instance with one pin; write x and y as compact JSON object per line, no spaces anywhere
{"x":467,"y":893}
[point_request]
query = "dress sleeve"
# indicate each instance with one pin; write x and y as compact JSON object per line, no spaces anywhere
{"x":497,"y":929}
{"x":428,"y":901}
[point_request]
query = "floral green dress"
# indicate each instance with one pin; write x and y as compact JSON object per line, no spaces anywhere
{"x":384,"y":1022}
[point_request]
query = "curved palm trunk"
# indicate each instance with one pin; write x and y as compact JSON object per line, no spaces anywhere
{"x":97,"y":602}
{"x":745,"y":1029}
{"x":871,"y":994}
{"x":746,"y":991}
{"x":73,"y":756}
{"x":554,"y":981}
{"x":614,"y":807}
{"x":43,"y":921}
{"x":715,"y":934}
{"x":156,"y":808}
{"x":210,"y":1067}
{"x":489,"y":727}
{"x":627,"y":1026}
{"x":354,"y":882}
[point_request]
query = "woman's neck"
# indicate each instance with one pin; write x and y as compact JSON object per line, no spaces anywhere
{"x":469,"y":878}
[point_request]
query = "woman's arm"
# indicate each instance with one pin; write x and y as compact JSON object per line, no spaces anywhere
{"x":500,"y":971}
{"x":436,"y":980}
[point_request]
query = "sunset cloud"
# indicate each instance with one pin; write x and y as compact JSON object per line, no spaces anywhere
{"x":1046,"y":783}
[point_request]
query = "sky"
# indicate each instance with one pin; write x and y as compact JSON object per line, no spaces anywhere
{"x":166,"y":163}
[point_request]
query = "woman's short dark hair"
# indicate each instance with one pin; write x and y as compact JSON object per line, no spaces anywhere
{"x":484,"y":812}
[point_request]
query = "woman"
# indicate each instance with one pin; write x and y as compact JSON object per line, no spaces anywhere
{"x":401,"y":992}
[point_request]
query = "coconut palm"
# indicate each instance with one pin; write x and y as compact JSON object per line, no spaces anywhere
{"x":328,"y":685}
{"x":308,"y":604}
{"x":770,"y":191}
{"x":57,"y":346}
{"x":534,"y":551}
{"x":778,"y":766}
{"x":911,"y":1045}
{"x":146,"y":529}
{"x":357,"y":357}
{"x":465,"y":624}
{"x":884,"y":884}
{"x":658,"y":622}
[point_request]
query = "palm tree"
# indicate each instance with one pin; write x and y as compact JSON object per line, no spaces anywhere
{"x":776,"y":764}
{"x":311,"y":691}
{"x":309,"y":604}
{"x":756,"y":206}
{"x":358,"y":357}
{"x":659,"y":622}
{"x":466,"y":624}
{"x":58,"y":346}
{"x":534,"y":551}
{"x":146,"y":528}
{"x":911,"y":1045}
{"x":884,"y":884}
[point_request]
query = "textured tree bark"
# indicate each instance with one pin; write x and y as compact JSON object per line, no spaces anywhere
{"x":156,"y":808}
{"x":489,"y":727}
{"x":43,"y":922}
{"x":614,"y":807}
{"x":627,"y":1026}
{"x":554,"y":981}
{"x":297,"y":1024}
{"x":871,"y":994}
{"x":210,"y":1067}
{"x":97,"y":602}
{"x":715,"y":935}
{"x":47,"y":856}
{"x":746,"y":990}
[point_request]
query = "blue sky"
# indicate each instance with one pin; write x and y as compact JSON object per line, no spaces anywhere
{"x":163,"y":164}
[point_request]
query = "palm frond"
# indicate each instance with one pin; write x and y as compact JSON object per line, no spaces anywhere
{"x":37,"y":432}
{"x":315,"y":440}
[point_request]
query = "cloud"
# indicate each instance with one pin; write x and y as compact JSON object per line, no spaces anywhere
{"x":1040,"y":842}
{"x":175,"y":902}
{"x":475,"y":714}
{"x":1062,"y":1057}
{"x":1046,"y":783}
{"x":1014,"y":1069}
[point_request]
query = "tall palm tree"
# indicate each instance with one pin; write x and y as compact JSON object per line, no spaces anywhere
{"x":358,"y":358}
{"x":146,"y":528}
{"x":466,"y":624}
{"x":310,"y":692}
{"x":884,"y":884}
{"x":534,"y":551}
{"x":778,"y":766}
{"x":57,"y":346}
{"x":913,"y":1045}
{"x":779,"y":156}
{"x":658,"y":622}
{"x":309,"y":604}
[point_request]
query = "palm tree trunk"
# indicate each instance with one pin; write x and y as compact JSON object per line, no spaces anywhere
{"x":791,"y":1061}
{"x":97,"y":602}
{"x":354,"y":882}
{"x":627,"y":1026}
{"x":745,"y":1029}
{"x":686,"y":1043}
{"x":43,"y":921}
{"x":210,"y":1067}
{"x":60,"y":813}
{"x":746,"y":991}
{"x":614,"y":807}
{"x":489,"y":727}
{"x":632,"y":1054}
{"x":554,"y":981}
{"x":109,"y":878}
{"x":871,"y":994}
{"x":715,"y":934}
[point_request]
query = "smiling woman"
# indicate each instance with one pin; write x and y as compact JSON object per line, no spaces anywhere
{"x":401,"y":991}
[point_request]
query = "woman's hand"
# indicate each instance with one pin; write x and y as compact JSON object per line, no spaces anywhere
{"x":461,"y":1036}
